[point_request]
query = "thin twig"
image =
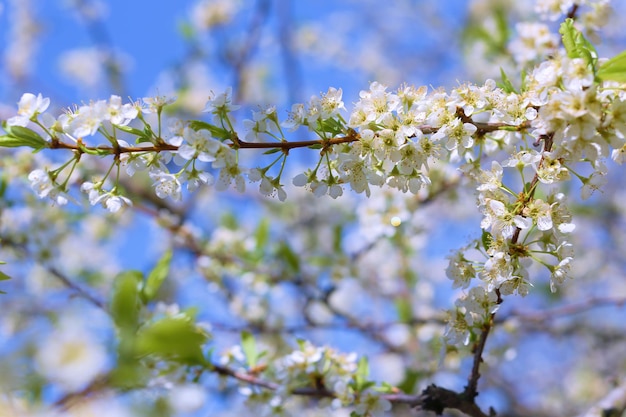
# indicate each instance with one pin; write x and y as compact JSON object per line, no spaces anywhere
{"x":77,"y":288}
{"x":352,"y":136}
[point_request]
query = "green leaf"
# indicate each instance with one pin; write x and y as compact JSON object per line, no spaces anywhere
{"x":186,"y":30}
{"x":386,"y":388}
{"x":7,"y":141}
{"x":575,"y":43}
{"x":361,"y":375}
{"x":176,"y":338}
{"x":568,"y":35}
{"x":404,"y":309}
{"x":524,"y":77}
{"x":216,"y":132}
{"x":96,"y":152}
{"x":128,"y":374}
{"x":156,"y":277}
{"x":332,"y":126}
{"x":21,"y":136}
{"x":289,"y":256}
{"x":3,"y":188}
{"x":125,"y":303}
{"x":614,"y":69}
{"x":248,"y":344}
{"x":262,"y":234}
{"x":486,"y":239}
{"x":506,"y":83}
{"x":3,"y":276}
{"x":147,"y":131}
{"x":271,"y":151}
{"x":337,"y":238}
{"x":410,"y":381}
{"x":131,"y":130}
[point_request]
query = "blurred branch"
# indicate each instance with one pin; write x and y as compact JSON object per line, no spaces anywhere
{"x":245,"y":53}
{"x":612,"y":405}
{"x":565,"y":310}
{"x":77,"y":288}
{"x":100,"y":36}
{"x":66,"y":281}
{"x":293,"y":76}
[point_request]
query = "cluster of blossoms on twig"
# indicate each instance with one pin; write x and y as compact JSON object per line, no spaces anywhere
{"x":338,"y":379}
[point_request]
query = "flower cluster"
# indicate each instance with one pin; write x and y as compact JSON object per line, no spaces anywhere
{"x":472,"y":312}
{"x":320,"y":367}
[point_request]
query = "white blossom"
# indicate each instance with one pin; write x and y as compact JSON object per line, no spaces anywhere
{"x":28,"y":107}
{"x":71,"y":357}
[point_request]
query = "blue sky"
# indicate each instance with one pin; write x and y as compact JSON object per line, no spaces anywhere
{"x":149,"y":38}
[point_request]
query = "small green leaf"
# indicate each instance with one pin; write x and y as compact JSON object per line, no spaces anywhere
{"x":568,"y":35}
{"x":3,"y":188}
{"x":506,"y":84}
{"x":96,"y":152}
{"x":216,"y":132}
{"x":7,"y":141}
{"x":575,"y":43}
{"x":156,"y":277}
{"x":614,"y":69}
{"x":271,"y":151}
{"x":131,"y":130}
{"x":524,"y":77}
{"x":332,"y":126}
{"x":176,"y":338}
{"x":289,"y":256}
{"x":21,"y":136}
{"x":186,"y":30}
{"x":385,"y":388}
{"x":362,"y":373}
{"x":404,"y":309}
{"x":128,"y":374}
{"x":147,"y":131}
{"x":486,"y":239}
{"x":262,"y":234}
{"x":410,"y":381}
{"x":3,"y":276}
{"x":248,"y":344}
{"x":337,"y":238}
{"x":125,"y":302}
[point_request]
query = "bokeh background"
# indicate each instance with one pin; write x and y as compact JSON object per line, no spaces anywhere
{"x":340,"y":272}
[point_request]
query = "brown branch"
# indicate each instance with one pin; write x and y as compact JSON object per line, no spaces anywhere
{"x":113,"y":150}
{"x":433,"y":398}
{"x":571,"y":14}
{"x":437,"y":399}
{"x":285,"y":145}
{"x":471,"y":389}
{"x":352,"y":136}
{"x":68,"y":400}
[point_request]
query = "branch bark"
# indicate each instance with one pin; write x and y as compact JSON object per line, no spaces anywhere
{"x":612,"y":405}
